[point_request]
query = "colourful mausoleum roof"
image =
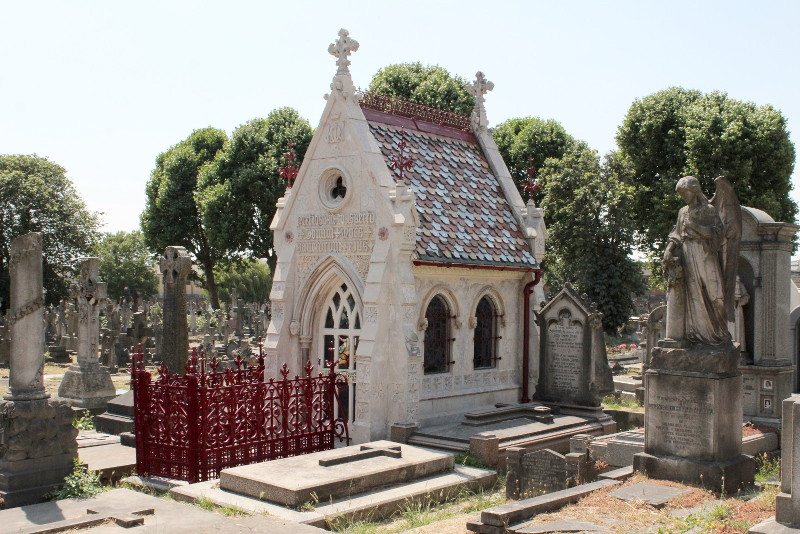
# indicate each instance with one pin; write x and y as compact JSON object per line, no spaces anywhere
{"x":463,"y":213}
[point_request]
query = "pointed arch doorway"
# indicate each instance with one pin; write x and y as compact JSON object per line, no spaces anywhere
{"x":340,"y":331}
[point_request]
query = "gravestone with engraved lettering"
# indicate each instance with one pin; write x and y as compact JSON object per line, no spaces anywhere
{"x":693,"y":387}
{"x":534,"y":473}
{"x":574,"y":367}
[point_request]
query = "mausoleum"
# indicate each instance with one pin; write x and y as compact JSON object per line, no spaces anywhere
{"x":406,"y":253}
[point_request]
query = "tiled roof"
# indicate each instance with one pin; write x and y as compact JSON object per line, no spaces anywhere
{"x":464,"y":216}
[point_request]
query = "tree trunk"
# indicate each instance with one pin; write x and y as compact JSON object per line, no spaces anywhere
{"x":211,"y":283}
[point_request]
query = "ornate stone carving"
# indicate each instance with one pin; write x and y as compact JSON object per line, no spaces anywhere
{"x":343,"y":47}
{"x":478,"y":89}
{"x":370,"y":314}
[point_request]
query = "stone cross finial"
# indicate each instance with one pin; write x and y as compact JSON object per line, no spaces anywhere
{"x":342,"y":48}
{"x":175,"y":264}
{"x":478,"y":89}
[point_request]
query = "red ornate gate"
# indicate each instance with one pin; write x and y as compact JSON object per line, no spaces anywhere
{"x":191,"y":426}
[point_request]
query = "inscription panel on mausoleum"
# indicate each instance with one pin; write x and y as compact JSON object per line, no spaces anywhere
{"x":680,"y":419}
{"x":565,"y":358}
{"x":350,"y":234}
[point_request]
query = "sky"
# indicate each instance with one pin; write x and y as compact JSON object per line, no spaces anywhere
{"x":102,"y":87}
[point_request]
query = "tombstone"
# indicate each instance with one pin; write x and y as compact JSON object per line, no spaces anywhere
{"x":37,"y":439}
{"x":693,"y":387}
{"x":654,"y":330}
{"x":764,"y":300}
{"x":574,"y":366}
{"x":86,"y":383}
{"x":193,"y":317}
{"x":787,"y":502}
{"x":175,"y":266}
{"x":534,"y":473}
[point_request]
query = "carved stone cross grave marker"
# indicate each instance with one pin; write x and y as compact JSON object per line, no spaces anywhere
{"x":342,"y":48}
{"x":96,"y":516}
{"x":478,"y":89}
{"x":365,"y":452}
{"x":175,"y":266}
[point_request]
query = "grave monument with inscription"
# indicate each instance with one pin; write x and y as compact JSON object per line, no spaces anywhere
{"x":534,"y":473}
{"x":574,"y":366}
{"x":693,"y":387}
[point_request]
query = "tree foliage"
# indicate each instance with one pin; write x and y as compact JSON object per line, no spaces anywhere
{"x":171,"y":215}
{"x":429,"y":85}
{"x":679,"y":132}
{"x":238,"y":191}
{"x":591,"y":231}
{"x":126,"y":265}
{"x":250,"y":278}
{"x":519,"y":140}
{"x":36,"y":196}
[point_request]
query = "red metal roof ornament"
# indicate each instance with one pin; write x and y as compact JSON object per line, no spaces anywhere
{"x":289,"y":171}
{"x":530,"y":186}
{"x":401,"y":162}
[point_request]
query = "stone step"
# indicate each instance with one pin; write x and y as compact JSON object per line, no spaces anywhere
{"x":438,"y":443}
{"x":113,"y":424}
{"x":373,"y":505}
{"x":500,"y":519}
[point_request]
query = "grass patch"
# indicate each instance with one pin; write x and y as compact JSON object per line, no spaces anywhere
{"x":464,"y":458}
{"x":427,"y":511}
{"x":228,"y":511}
{"x":768,"y":467}
{"x":612,"y":402}
{"x":81,"y":483}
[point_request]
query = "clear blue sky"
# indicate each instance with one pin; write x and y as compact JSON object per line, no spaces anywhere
{"x":102,"y":87}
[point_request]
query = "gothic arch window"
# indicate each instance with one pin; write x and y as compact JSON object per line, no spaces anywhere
{"x":485,"y":341}
{"x":341,"y":329}
{"x":438,"y":342}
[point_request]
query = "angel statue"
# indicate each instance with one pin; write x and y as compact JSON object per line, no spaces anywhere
{"x":700,"y":263}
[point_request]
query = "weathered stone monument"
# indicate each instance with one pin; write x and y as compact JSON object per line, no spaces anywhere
{"x":534,"y":473}
{"x":693,"y":388}
{"x":787,"y":502}
{"x":37,"y":439}
{"x":574,"y":367}
{"x":175,"y":265}
{"x":86,"y":383}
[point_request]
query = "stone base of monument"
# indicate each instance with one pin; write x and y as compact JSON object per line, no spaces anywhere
{"x":693,"y":427}
{"x":38,"y":448}
{"x":118,"y":417}
{"x":372,"y":481}
{"x":87,"y":386}
{"x":727,"y":476}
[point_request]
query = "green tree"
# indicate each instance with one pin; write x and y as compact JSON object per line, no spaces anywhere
{"x":126,"y":265}
{"x":679,"y":132}
{"x":238,"y":191}
{"x":591,"y":230}
{"x":36,"y":196}
{"x":519,"y":140}
{"x":430,"y":85}
{"x":250,"y":278}
{"x":171,"y":215}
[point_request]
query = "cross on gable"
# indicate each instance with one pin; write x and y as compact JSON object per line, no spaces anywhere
{"x":365,"y":452}
{"x":175,"y":263}
{"x":342,"y":48}
{"x":479,"y":88}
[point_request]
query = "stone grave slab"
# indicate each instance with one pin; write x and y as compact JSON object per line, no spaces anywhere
{"x":330,"y":475}
{"x":563,"y":525}
{"x":652,"y":494}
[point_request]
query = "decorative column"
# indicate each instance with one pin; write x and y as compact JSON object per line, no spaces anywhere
{"x":87,"y":384}
{"x":25,"y":316}
{"x":175,"y":265}
{"x":37,"y":439}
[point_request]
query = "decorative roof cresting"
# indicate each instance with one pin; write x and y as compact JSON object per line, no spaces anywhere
{"x":342,"y":48}
{"x":478,"y":89}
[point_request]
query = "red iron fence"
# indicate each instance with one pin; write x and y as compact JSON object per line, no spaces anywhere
{"x":191,"y":426}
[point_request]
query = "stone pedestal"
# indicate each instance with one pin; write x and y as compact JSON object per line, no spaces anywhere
{"x":693,"y":419}
{"x":87,"y":384}
{"x":37,"y":445}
